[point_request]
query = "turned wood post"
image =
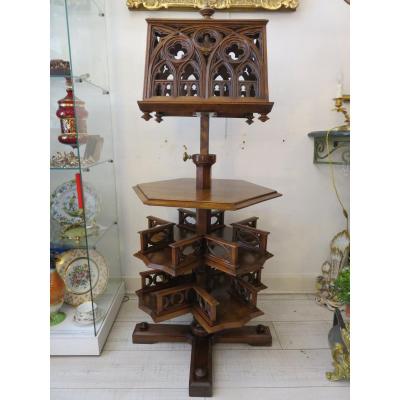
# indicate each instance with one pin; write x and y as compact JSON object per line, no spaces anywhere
{"x":204,"y":162}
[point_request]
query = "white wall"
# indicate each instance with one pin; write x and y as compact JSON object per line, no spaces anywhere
{"x":308,"y":50}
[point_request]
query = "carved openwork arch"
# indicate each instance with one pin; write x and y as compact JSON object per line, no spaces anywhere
{"x":248,"y":82}
{"x":216,"y":66}
{"x":158,"y":33}
{"x":234,"y":49}
{"x":177,"y":49}
{"x":239,"y":57}
{"x":189,"y":80}
{"x":221,"y":83}
{"x":164,"y":76}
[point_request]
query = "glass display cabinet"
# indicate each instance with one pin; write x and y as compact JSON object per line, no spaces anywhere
{"x":86,"y":288}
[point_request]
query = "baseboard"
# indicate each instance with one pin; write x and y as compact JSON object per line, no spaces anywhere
{"x":277,"y":283}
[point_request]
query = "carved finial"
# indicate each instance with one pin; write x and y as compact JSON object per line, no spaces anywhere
{"x":250,"y":118}
{"x":207,"y":11}
{"x":263,"y":117}
{"x":159,"y":117}
{"x":146,"y":116}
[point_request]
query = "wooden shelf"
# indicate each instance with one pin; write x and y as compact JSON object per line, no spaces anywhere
{"x":225,"y":194}
{"x":188,"y":106}
{"x":162,"y":260}
{"x":248,"y":260}
{"x":231,"y":311}
{"x":339,"y":147}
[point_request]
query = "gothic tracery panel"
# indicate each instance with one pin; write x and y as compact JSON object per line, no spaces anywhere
{"x":227,"y":60}
{"x":214,"y":66}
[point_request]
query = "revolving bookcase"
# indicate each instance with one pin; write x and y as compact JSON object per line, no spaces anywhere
{"x":199,"y":265}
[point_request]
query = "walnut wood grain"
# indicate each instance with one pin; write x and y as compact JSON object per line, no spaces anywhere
{"x":224,"y":194}
{"x":200,"y":373}
{"x":209,"y":68}
{"x":154,"y":333}
{"x":228,"y":309}
{"x":206,"y":66}
{"x":184,"y":107}
{"x":258,"y":335}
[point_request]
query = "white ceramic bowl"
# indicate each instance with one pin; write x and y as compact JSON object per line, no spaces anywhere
{"x":85,"y":311}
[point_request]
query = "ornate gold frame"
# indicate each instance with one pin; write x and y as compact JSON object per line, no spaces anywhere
{"x":271,"y":5}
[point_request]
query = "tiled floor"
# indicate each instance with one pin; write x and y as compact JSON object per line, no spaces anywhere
{"x":292,"y":369}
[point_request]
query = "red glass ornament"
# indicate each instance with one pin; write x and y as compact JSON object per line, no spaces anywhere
{"x":72,"y":114}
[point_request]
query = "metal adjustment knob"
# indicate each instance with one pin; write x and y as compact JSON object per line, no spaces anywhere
{"x":186,"y":156}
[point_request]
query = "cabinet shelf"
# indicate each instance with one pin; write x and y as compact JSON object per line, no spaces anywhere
{"x":85,"y":168}
{"x":220,"y":308}
{"x":77,"y":79}
{"x":79,"y":103}
{"x":174,"y":250}
{"x":92,"y":240}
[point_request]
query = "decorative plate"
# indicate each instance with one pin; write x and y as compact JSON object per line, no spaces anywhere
{"x":73,"y":267}
{"x":64,"y":204}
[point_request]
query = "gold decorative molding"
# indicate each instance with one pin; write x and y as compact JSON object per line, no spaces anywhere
{"x":341,"y":358}
{"x":271,"y":5}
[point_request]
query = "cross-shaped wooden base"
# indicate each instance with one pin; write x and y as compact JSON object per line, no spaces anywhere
{"x":200,"y":378}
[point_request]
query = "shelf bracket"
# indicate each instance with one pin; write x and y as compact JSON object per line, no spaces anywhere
{"x":339,"y":147}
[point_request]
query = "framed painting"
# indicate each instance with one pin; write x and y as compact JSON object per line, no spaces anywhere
{"x":271,"y":5}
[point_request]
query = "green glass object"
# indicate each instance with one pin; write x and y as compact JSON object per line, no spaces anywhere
{"x":57,"y":317}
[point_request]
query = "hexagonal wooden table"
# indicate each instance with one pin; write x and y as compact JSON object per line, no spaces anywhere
{"x":224,"y":194}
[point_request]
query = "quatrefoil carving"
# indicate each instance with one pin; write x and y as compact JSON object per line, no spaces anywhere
{"x":206,"y":60}
{"x":206,"y":39}
{"x":234,"y":51}
{"x":178,"y":50}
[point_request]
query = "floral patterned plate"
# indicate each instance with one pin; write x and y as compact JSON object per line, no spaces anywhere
{"x":64,"y":204}
{"x":73,"y":268}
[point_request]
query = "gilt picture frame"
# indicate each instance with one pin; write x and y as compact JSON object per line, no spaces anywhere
{"x":270,"y":5}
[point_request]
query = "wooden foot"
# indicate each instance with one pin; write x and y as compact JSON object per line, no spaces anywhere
{"x":200,"y":378}
{"x":155,"y":333}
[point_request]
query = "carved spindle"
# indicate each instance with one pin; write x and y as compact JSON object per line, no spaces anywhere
{"x":207,"y":12}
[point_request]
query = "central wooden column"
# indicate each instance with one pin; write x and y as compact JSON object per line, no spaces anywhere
{"x":200,"y":381}
{"x":204,"y":162}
